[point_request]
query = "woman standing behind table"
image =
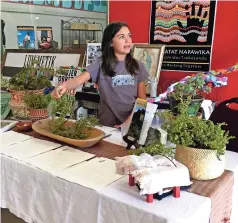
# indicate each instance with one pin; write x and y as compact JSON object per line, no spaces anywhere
{"x":119,"y":76}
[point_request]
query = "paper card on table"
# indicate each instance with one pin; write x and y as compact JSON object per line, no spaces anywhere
{"x":115,"y":137}
{"x":59,"y":159}
{"x":11,"y":137}
{"x":95,"y":174}
{"x":29,"y":148}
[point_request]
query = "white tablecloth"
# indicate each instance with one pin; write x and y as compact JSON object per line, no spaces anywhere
{"x":122,"y":203}
{"x":37,"y":196}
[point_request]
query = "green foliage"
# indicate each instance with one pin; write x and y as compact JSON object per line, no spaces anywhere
{"x":60,"y":71}
{"x":4,"y":82}
{"x":156,"y":148}
{"x":32,"y":77}
{"x":194,"y":132}
{"x":64,"y":106}
{"x":59,"y":125}
{"x":37,"y":101}
{"x":153,"y":149}
{"x":78,"y":130}
{"x":193,"y":87}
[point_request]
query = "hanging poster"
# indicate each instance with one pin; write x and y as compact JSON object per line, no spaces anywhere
{"x":94,"y":52}
{"x":186,"y":27}
{"x":44,"y":37}
{"x":25,"y":37}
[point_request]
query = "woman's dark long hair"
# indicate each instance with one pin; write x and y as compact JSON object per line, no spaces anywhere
{"x":108,"y":57}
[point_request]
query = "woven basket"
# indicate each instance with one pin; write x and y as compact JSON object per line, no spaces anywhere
{"x":17,"y":104}
{"x":38,"y":114}
{"x":203,"y":164}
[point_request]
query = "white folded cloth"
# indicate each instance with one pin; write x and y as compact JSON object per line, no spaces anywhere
{"x":153,"y":173}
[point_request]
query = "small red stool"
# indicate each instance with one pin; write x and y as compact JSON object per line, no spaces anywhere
{"x":150,"y":197}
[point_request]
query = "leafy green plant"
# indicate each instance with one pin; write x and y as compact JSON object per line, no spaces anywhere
{"x":33,"y":77}
{"x":194,"y":132}
{"x":80,"y":129}
{"x":194,"y":87}
{"x":63,"y":71}
{"x":63,"y":106}
{"x":60,"y":125}
{"x":37,"y":101}
{"x":4,"y":82}
{"x":156,"y":148}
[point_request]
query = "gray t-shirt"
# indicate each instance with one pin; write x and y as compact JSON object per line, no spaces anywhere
{"x":117,"y":94}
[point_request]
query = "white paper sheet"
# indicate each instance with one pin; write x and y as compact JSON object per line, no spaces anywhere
{"x":95,"y":174}
{"x":11,"y":137}
{"x":29,"y":148}
{"x":59,"y":159}
{"x":116,"y":136}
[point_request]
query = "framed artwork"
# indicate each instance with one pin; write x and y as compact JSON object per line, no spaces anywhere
{"x":94,"y":51}
{"x":151,"y":55}
{"x":25,"y":37}
{"x":15,"y":60}
{"x":44,"y":37}
{"x":187,"y":29}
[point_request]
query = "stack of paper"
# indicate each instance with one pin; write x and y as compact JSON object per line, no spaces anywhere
{"x":11,"y":137}
{"x":29,"y":148}
{"x":59,"y":159}
{"x":95,"y":174}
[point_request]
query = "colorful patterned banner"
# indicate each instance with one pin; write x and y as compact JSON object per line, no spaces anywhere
{"x":212,"y":77}
{"x":186,"y":28}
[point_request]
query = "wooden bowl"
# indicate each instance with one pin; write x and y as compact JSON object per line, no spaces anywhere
{"x":24,"y":126}
{"x":42,"y":127}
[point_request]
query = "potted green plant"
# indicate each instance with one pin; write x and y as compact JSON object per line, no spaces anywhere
{"x":193,"y":87}
{"x":200,"y":144}
{"x":31,"y":79}
{"x":37,"y":105}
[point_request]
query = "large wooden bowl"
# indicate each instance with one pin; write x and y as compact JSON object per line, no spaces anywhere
{"x":42,"y":127}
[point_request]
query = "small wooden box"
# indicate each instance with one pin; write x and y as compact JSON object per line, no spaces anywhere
{"x":93,"y":27}
{"x":76,"y":25}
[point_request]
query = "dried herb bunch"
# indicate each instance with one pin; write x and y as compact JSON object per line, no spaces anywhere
{"x":60,"y":125}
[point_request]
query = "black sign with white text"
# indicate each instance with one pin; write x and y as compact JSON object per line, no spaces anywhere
{"x":186,"y":28}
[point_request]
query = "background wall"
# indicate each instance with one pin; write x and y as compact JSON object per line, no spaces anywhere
{"x":25,"y":14}
{"x":225,"y":42}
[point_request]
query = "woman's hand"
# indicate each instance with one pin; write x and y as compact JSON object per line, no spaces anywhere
{"x":59,"y":91}
{"x":127,"y":122}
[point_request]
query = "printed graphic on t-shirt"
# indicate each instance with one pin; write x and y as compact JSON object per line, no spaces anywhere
{"x":123,"y":79}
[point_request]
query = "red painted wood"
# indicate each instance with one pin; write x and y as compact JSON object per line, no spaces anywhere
{"x":149,"y":198}
{"x":176,"y":192}
{"x":131,"y":180}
